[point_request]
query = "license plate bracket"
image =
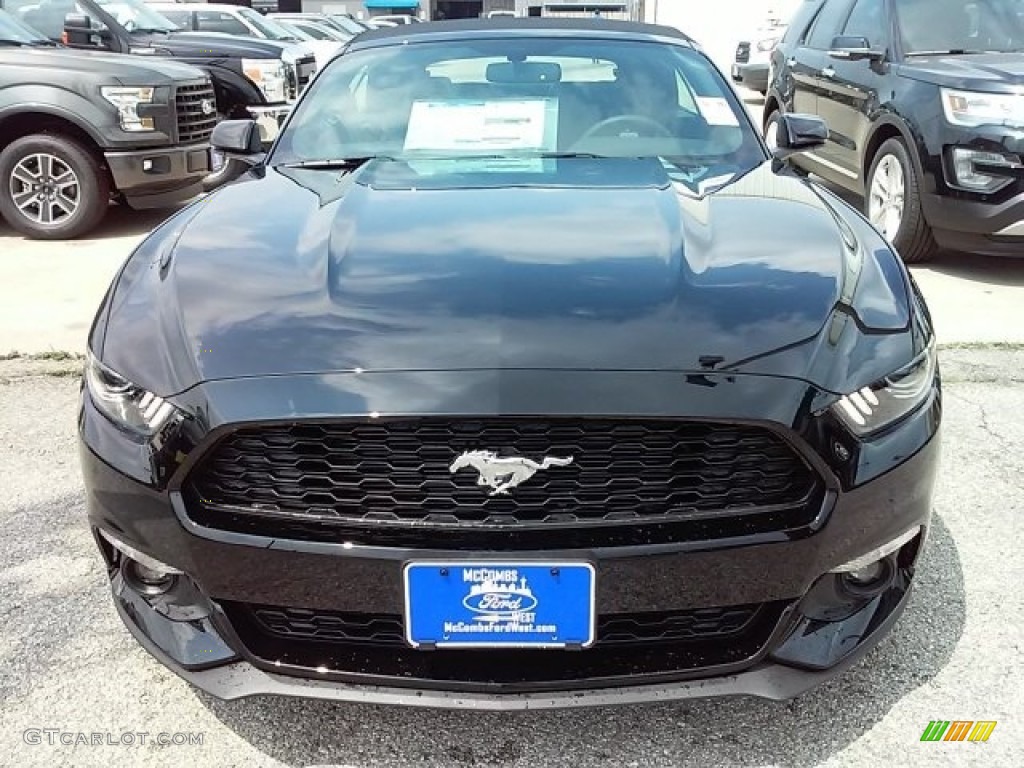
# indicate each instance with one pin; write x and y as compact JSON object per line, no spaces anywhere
{"x":481,"y":604}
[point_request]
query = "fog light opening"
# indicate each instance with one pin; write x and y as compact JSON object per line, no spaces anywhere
{"x":869,"y":580}
{"x":146,"y":580}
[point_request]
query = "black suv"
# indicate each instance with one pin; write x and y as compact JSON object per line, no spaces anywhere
{"x":925,"y":105}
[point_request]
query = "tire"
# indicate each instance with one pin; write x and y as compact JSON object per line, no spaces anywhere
{"x":900,"y":220}
{"x":74,"y":187}
{"x":771,"y":126}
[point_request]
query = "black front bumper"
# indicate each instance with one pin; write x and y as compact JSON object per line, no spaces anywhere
{"x":156,"y":178}
{"x":785,"y":649}
{"x":984,"y":228}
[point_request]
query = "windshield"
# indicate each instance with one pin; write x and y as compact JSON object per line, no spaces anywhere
{"x":350,"y":25}
{"x":14,"y":31}
{"x":966,"y":26}
{"x":524,"y":97}
{"x":135,"y":15}
{"x":318,"y":31}
{"x":268,"y":27}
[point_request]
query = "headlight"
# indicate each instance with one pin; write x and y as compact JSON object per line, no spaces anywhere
{"x":876,"y":406}
{"x":972,"y":109}
{"x":767,"y":44}
{"x":127,"y":405}
{"x":970,"y":166}
{"x":127,"y":101}
{"x":270,"y":77}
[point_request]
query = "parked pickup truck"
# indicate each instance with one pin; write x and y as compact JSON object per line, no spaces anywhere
{"x":77,"y":129}
{"x":257,"y":79}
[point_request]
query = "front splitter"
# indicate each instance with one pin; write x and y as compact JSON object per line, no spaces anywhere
{"x":767,"y":680}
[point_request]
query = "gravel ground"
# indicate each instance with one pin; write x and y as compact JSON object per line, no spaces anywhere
{"x":68,"y":664}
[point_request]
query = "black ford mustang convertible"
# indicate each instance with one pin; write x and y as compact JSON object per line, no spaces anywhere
{"x":517,"y":374}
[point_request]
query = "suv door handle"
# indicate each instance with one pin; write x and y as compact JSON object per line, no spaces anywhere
{"x":791,"y":61}
{"x":828,"y":72}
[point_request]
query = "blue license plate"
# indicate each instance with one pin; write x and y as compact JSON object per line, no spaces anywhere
{"x":499,"y":605}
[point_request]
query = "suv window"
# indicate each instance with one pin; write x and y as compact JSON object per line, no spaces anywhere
{"x":869,"y":20}
{"x":961,"y":25}
{"x":218,"y":21}
{"x":826,"y":26}
{"x":801,"y":20}
{"x":181,"y":18}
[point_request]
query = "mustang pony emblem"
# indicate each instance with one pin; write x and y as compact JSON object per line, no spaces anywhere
{"x":503,"y":474}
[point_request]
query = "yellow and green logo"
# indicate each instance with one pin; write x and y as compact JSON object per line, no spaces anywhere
{"x":958,"y":730}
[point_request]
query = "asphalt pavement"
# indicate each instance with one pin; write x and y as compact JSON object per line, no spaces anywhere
{"x":68,"y":665}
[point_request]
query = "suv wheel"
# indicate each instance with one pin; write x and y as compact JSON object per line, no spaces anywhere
{"x":771,"y":130}
{"x":51,"y":187}
{"x":893,"y":203}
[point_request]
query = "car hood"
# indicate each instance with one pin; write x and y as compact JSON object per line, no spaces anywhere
{"x":211,"y":45}
{"x":576,"y":265}
{"x":998,"y":72}
{"x":100,"y":67}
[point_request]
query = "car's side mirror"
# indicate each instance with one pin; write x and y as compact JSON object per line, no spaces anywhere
{"x":854,"y":48}
{"x":79,"y":32}
{"x":237,"y":137}
{"x":799,"y":133}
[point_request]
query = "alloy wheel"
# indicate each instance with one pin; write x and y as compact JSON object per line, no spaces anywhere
{"x":887,"y":197}
{"x":45,"y":189}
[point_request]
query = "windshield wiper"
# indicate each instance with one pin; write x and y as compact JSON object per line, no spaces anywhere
{"x":340,"y":163}
{"x":14,"y":43}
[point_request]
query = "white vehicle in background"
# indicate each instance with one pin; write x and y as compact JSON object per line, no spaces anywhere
{"x":312,"y":31}
{"x":753,"y":54}
{"x":396,"y":19}
{"x":243,"y":21}
{"x":318,"y":24}
{"x":500,"y":14}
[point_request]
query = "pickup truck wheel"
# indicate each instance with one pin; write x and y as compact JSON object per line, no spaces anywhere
{"x":51,"y":187}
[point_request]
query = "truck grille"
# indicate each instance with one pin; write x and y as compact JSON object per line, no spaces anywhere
{"x":743,"y":53}
{"x":395,"y":474}
{"x":195,"y":123}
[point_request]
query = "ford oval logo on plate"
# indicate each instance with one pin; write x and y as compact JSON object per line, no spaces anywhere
{"x":502,"y":600}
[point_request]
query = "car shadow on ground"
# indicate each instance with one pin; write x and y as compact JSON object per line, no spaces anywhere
{"x":738,"y":731}
{"x":120,"y":221}
{"x":992,"y":270}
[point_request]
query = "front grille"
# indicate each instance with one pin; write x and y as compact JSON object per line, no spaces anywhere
{"x":630,"y":648}
{"x":195,"y":122}
{"x":612,"y":629}
{"x":743,"y":53}
{"x":390,"y":476}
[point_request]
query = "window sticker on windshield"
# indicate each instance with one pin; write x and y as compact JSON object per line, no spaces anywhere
{"x":716,"y":111}
{"x":476,"y":126}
